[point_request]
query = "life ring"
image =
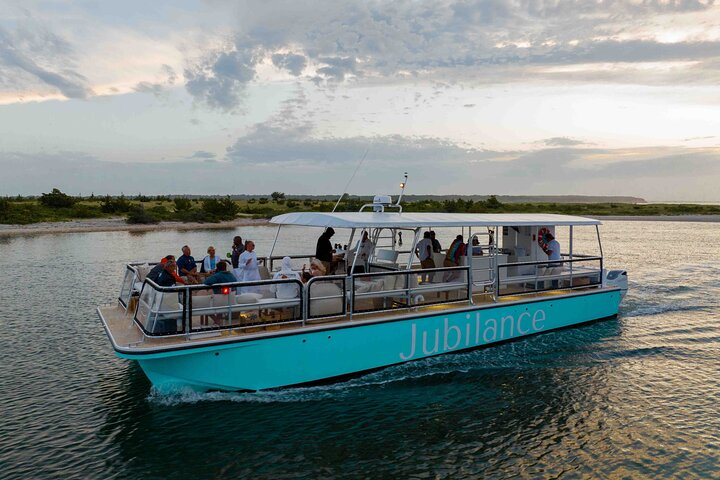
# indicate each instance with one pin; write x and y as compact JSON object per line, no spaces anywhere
{"x":541,"y":239}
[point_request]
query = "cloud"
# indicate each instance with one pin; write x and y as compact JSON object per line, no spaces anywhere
{"x":31,"y":54}
{"x":562,"y":142}
{"x":292,"y":62}
{"x":471,"y":41}
{"x":203,"y":155}
{"x":167,"y":79}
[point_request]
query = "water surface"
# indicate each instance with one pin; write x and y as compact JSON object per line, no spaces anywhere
{"x":636,"y":397}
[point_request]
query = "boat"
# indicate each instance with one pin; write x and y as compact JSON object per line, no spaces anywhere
{"x":357,"y":320}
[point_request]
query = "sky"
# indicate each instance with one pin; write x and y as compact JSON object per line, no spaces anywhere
{"x":507,"y":97}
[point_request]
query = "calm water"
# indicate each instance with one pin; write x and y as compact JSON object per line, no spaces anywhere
{"x":628,"y":398}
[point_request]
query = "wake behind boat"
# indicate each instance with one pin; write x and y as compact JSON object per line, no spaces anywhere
{"x":373,"y":306}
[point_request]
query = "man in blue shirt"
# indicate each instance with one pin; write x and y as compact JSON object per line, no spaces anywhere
{"x":187,"y":266}
{"x":220,"y":276}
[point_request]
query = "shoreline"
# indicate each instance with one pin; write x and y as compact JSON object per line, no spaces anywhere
{"x":117,"y":224}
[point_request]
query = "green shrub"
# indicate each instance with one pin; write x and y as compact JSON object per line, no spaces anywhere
{"x":57,"y":199}
{"x":139,"y":215}
{"x":182,"y":204}
{"x":115,"y":205}
{"x":224,"y":209}
{"x":263,"y":201}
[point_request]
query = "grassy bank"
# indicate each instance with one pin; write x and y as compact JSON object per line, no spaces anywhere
{"x":56,"y":206}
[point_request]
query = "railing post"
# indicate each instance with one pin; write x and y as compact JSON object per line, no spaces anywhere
{"x":469,"y":287}
{"x":352,"y":294}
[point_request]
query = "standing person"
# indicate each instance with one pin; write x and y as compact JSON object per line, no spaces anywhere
{"x":435,"y":242}
{"x":365,"y":249}
{"x":424,"y":252}
{"x":187,"y":266}
{"x":209,"y":263}
{"x":400,"y":238}
{"x":237,"y":249}
{"x":553,"y":253}
{"x":452,"y":257}
{"x":324,"y":249}
{"x":248,"y":267}
{"x":553,"y":249}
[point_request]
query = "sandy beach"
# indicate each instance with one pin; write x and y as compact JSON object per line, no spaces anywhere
{"x":117,"y":224}
{"x":660,"y":218}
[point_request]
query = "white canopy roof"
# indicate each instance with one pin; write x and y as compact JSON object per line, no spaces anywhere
{"x":429,"y":219}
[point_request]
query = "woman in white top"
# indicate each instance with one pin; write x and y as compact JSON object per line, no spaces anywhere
{"x":210,"y":262}
{"x":286,"y":290}
{"x":247,"y":270}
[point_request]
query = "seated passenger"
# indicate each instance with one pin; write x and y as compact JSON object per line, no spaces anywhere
{"x":154,"y":274}
{"x":167,"y":276}
{"x":287,"y":290}
{"x":187,"y":266}
{"x":476,"y":248}
{"x":210,"y":261}
{"x":222,"y":275}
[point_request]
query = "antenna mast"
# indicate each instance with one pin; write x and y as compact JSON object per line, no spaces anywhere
{"x":402,"y":189}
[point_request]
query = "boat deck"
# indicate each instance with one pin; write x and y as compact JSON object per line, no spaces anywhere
{"x":127,"y":336}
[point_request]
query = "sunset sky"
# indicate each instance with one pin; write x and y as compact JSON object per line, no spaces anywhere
{"x":469,"y":97}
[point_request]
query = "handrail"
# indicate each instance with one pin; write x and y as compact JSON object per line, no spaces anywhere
{"x":408,"y":290}
{"x":545,"y":262}
{"x":538,"y":278}
{"x":187,"y":309}
{"x":325,"y":279}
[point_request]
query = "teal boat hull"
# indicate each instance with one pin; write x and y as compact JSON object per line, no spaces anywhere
{"x":319,"y":354}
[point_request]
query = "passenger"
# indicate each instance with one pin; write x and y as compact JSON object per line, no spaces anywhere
{"x":476,"y":248}
{"x":187,"y":266}
{"x":248,"y":267}
{"x":154,"y":274}
{"x":452,"y":258}
{"x":553,"y":253}
{"x":324,"y":249}
{"x":167,"y":276}
{"x":317,"y":268}
{"x":210,"y":262}
{"x":424,"y":252}
{"x":454,"y":252}
{"x":553,"y":249}
{"x":220,"y":276}
{"x":286,"y":290}
{"x":435,"y":242}
{"x":365,"y":249}
{"x":178,"y":278}
{"x":237,"y":249}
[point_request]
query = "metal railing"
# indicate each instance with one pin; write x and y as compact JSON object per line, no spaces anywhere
{"x":553,"y":272}
{"x":380,"y":291}
{"x":193,"y":309}
{"x":165,"y":311}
